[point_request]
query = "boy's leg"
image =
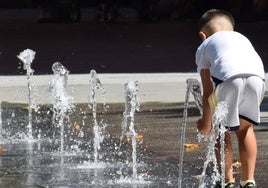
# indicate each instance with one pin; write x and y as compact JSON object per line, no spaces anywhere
{"x":247,"y":149}
{"x":228,"y":152}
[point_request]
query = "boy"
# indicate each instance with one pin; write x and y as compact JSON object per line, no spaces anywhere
{"x":230,"y":67}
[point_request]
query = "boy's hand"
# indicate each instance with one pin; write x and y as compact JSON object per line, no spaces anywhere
{"x":203,"y":128}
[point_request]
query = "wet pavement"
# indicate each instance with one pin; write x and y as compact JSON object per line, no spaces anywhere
{"x":158,"y":123}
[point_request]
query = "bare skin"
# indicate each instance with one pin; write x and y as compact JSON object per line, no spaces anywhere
{"x":204,"y":124}
{"x":247,"y":149}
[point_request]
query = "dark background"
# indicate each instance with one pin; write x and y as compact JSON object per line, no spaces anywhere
{"x":127,"y":36}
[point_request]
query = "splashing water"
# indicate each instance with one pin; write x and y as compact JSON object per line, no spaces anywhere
{"x":193,"y":86}
{"x":1,"y":122}
{"x":98,"y":138}
{"x":195,"y":90}
{"x":27,"y":56}
{"x":220,"y":120}
{"x":131,"y":105}
{"x":218,"y":132}
{"x":62,"y":102}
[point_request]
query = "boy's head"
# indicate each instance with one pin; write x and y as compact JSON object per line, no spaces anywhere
{"x":215,"y":20}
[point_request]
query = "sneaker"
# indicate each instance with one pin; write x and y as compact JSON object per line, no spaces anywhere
{"x":227,"y":185}
{"x":249,"y":185}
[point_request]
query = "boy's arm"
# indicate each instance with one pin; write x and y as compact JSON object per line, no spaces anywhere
{"x":205,"y":123}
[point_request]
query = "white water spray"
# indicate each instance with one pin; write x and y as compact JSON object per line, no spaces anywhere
{"x":1,"y":122}
{"x":27,"y":56}
{"x":62,"y":102}
{"x":131,"y":105}
{"x":193,"y":87}
{"x":95,"y":85}
{"x":217,"y":132}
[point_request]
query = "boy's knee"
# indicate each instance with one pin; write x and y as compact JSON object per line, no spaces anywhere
{"x":244,"y":128}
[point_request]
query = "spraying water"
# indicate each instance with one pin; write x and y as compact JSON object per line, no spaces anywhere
{"x":27,"y":56}
{"x":193,"y":86}
{"x":220,"y":120}
{"x":62,"y":102}
{"x":1,"y":122}
{"x":95,"y":85}
{"x":217,"y":132}
{"x":131,"y":105}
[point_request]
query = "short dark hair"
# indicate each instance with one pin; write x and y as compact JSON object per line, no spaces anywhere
{"x":213,"y":13}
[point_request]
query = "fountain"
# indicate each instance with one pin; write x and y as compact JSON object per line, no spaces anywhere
{"x":193,"y":87}
{"x":115,"y":167}
{"x":30,"y":164}
{"x":27,"y":56}
{"x":1,"y":122}
{"x":218,"y":131}
{"x":131,"y":105}
{"x":62,"y":102}
{"x":98,"y":138}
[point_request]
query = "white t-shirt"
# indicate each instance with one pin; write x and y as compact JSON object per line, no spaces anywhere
{"x":228,"y":53}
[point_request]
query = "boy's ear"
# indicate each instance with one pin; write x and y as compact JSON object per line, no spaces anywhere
{"x":202,"y":35}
